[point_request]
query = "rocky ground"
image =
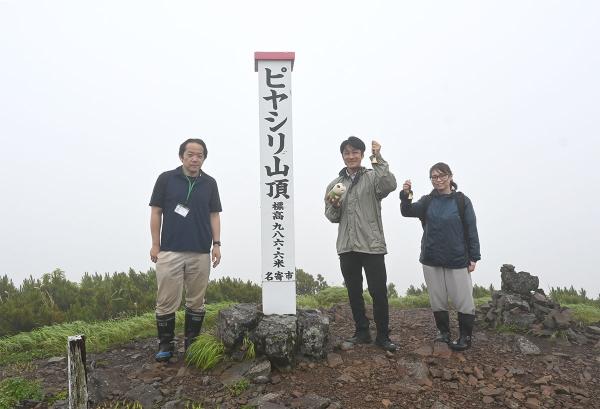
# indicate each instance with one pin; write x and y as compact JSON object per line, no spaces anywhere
{"x":501,"y":370}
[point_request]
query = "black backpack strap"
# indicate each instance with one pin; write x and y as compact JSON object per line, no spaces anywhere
{"x":460,"y":203}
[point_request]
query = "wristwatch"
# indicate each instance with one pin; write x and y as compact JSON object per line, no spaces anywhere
{"x":217,"y":243}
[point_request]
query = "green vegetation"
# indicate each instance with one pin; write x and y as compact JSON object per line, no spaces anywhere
{"x":121,"y":405}
{"x":307,"y":285}
{"x":478,"y":290}
{"x":52,"y":340}
{"x":237,"y":388}
{"x":248,"y":346}
{"x":584,"y":309}
{"x":509,"y":329}
{"x":62,"y":395}
{"x":410,"y":301}
{"x":584,"y":313}
{"x":114,"y":309}
{"x":415,"y":298}
{"x":15,"y":390}
{"x":55,"y":300}
{"x":570,"y":296}
{"x":233,"y":289}
{"x":205,"y":352}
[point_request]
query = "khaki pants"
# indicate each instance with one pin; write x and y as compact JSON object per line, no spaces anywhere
{"x":443,"y":283}
{"x":176,"y":271}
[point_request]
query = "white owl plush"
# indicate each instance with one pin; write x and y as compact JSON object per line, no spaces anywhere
{"x":336,"y":191}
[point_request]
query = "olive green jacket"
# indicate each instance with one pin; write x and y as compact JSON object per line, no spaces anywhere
{"x":360,"y":228}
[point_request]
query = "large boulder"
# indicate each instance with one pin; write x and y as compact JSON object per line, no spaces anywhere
{"x":313,"y":332}
{"x":518,"y":283}
{"x":511,"y":301}
{"x":522,"y":320}
{"x":236,"y":322}
{"x":276,"y":337}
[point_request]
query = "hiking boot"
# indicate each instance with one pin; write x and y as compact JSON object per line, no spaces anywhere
{"x":165,"y":325}
{"x":361,"y":336}
{"x":192,"y":326}
{"x":442,"y":322}
{"x":386,"y":344}
{"x":465,"y":326}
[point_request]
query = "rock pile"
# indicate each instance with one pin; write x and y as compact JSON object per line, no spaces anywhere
{"x":522,"y":305}
{"x":278,"y":337}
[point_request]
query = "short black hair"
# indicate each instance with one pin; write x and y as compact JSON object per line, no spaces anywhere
{"x":354,"y":142}
{"x":191,"y":140}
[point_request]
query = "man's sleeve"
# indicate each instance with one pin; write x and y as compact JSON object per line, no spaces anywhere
{"x":158,"y":194}
{"x":215,"y":200}
{"x":385,"y":181}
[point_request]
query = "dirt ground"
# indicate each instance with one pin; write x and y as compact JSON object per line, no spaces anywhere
{"x":492,"y":374}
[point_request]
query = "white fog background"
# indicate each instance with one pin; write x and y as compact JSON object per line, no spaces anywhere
{"x":95,"y":98}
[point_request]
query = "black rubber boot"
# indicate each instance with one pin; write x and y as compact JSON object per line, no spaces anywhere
{"x":383,"y":341}
{"x":442,"y":322}
{"x":361,"y":336}
{"x":465,"y":326}
{"x":192,"y":327}
{"x":165,"y":325}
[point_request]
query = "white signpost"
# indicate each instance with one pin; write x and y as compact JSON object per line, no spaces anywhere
{"x":276,"y":181}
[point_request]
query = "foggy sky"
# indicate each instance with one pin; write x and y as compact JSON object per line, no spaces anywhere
{"x":95,"y":99}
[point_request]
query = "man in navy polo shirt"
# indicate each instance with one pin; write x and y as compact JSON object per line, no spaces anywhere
{"x":185,"y":203}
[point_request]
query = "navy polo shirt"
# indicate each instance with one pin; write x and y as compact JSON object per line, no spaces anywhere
{"x":193,"y":232}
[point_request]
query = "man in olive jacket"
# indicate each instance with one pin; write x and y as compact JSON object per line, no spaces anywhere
{"x":360,"y":241}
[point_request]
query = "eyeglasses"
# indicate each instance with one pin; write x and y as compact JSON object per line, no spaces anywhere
{"x":439,"y":177}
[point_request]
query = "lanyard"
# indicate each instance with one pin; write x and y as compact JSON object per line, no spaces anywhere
{"x":190,"y":187}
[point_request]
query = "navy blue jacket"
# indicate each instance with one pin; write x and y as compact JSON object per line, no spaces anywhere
{"x":443,"y":242}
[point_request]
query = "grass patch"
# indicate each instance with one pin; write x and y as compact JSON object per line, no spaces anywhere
{"x":410,"y":301}
{"x":15,"y":390}
{"x":62,"y":395}
{"x":307,"y":301}
{"x":335,"y":295}
{"x":509,"y":329}
{"x":52,"y":340}
{"x":121,"y":405}
{"x":237,"y":388}
{"x":585,"y":313}
{"x":329,"y":296}
{"x":250,"y":351}
{"x":205,"y":352}
{"x":482,"y":300}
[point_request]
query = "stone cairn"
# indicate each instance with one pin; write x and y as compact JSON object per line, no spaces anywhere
{"x":522,"y":305}
{"x":279,"y":338}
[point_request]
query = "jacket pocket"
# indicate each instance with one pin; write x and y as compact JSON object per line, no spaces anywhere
{"x":376,"y":236}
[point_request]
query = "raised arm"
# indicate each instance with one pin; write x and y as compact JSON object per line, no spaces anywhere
{"x":407,"y":207}
{"x":385,"y":181}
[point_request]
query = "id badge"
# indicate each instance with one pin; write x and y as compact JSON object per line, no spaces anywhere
{"x":181,"y":210}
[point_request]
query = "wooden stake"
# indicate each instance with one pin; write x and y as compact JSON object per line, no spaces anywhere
{"x":78,"y":394}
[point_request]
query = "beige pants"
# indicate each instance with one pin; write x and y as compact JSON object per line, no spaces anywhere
{"x":176,"y":271}
{"x":443,"y":283}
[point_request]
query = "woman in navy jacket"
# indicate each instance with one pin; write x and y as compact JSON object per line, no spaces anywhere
{"x":449,"y":251}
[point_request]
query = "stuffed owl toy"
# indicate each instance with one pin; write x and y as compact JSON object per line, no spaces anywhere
{"x":336,"y":191}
